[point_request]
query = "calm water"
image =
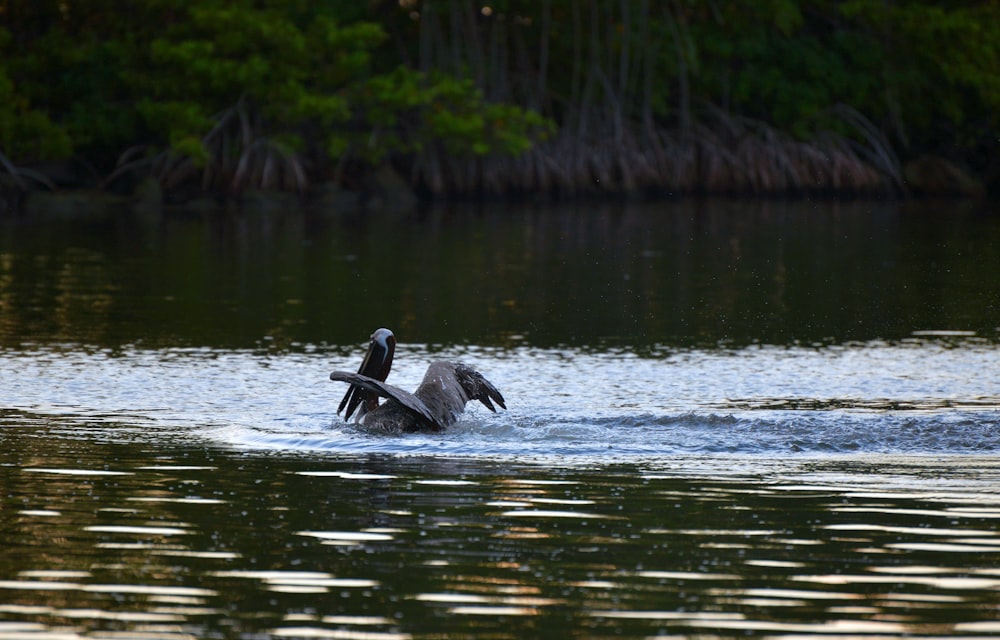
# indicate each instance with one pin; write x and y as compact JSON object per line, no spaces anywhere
{"x":724,"y":419}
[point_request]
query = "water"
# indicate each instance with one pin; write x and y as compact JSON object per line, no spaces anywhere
{"x":921,"y":396}
{"x":723,"y":420}
{"x":167,"y":541}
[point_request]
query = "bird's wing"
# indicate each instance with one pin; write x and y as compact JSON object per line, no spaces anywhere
{"x":357,"y":397}
{"x":407,"y":400}
{"x":477,"y":387}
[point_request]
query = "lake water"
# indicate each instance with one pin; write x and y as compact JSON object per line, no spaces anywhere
{"x":724,"y":419}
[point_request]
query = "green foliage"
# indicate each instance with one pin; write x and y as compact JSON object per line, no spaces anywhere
{"x":939,"y":62}
{"x":221,"y":82}
{"x":919,"y":69}
{"x":408,"y":111}
{"x":26,"y":133}
{"x":274,"y":89}
{"x":765,"y":61}
{"x":222,"y":54}
{"x":311,"y":78}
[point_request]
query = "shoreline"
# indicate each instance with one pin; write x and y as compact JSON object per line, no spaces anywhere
{"x":385,"y":189}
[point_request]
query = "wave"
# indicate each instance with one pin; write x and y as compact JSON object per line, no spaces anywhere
{"x":646,"y":435}
{"x":864,"y":399}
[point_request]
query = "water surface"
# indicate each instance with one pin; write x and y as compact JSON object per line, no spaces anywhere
{"x":723,"y":420}
{"x":687,"y":273}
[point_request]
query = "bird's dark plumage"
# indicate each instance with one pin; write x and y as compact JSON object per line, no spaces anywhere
{"x":436,"y":403}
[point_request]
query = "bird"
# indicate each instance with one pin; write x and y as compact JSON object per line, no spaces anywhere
{"x":435,"y":404}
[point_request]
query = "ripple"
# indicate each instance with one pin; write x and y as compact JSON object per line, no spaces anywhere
{"x":298,"y":581}
{"x":939,"y":582}
{"x":335,"y":634}
{"x":47,"y":585}
{"x":494,"y":611}
{"x":346,"y":536}
{"x":921,"y":397}
{"x":346,"y":475}
{"x":77,"y":472}
{"x":151,"y":531}
{"x":542,"y":513}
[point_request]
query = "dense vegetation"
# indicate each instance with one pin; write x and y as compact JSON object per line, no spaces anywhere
{"x":513,"y":96}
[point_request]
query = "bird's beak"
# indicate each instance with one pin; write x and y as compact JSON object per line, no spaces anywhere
{"x":378,"y":360}
{"x":377,"y":363}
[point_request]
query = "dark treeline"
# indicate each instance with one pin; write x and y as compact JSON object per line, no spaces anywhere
{"x":465,"y":97}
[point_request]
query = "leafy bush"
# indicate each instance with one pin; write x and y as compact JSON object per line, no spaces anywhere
{"x":228,"y":94}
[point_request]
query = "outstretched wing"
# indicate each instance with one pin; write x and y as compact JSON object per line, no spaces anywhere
{"x":357,"y":397}
{"x":407,"y":400}
{"x":477,"y":387}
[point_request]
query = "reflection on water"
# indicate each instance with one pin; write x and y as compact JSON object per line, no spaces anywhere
{"x":197,"y":542}
{"x":682,"y":273}
{"x":723,"y":420}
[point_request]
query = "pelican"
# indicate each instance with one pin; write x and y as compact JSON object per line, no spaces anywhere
{"x":436,"y":403}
